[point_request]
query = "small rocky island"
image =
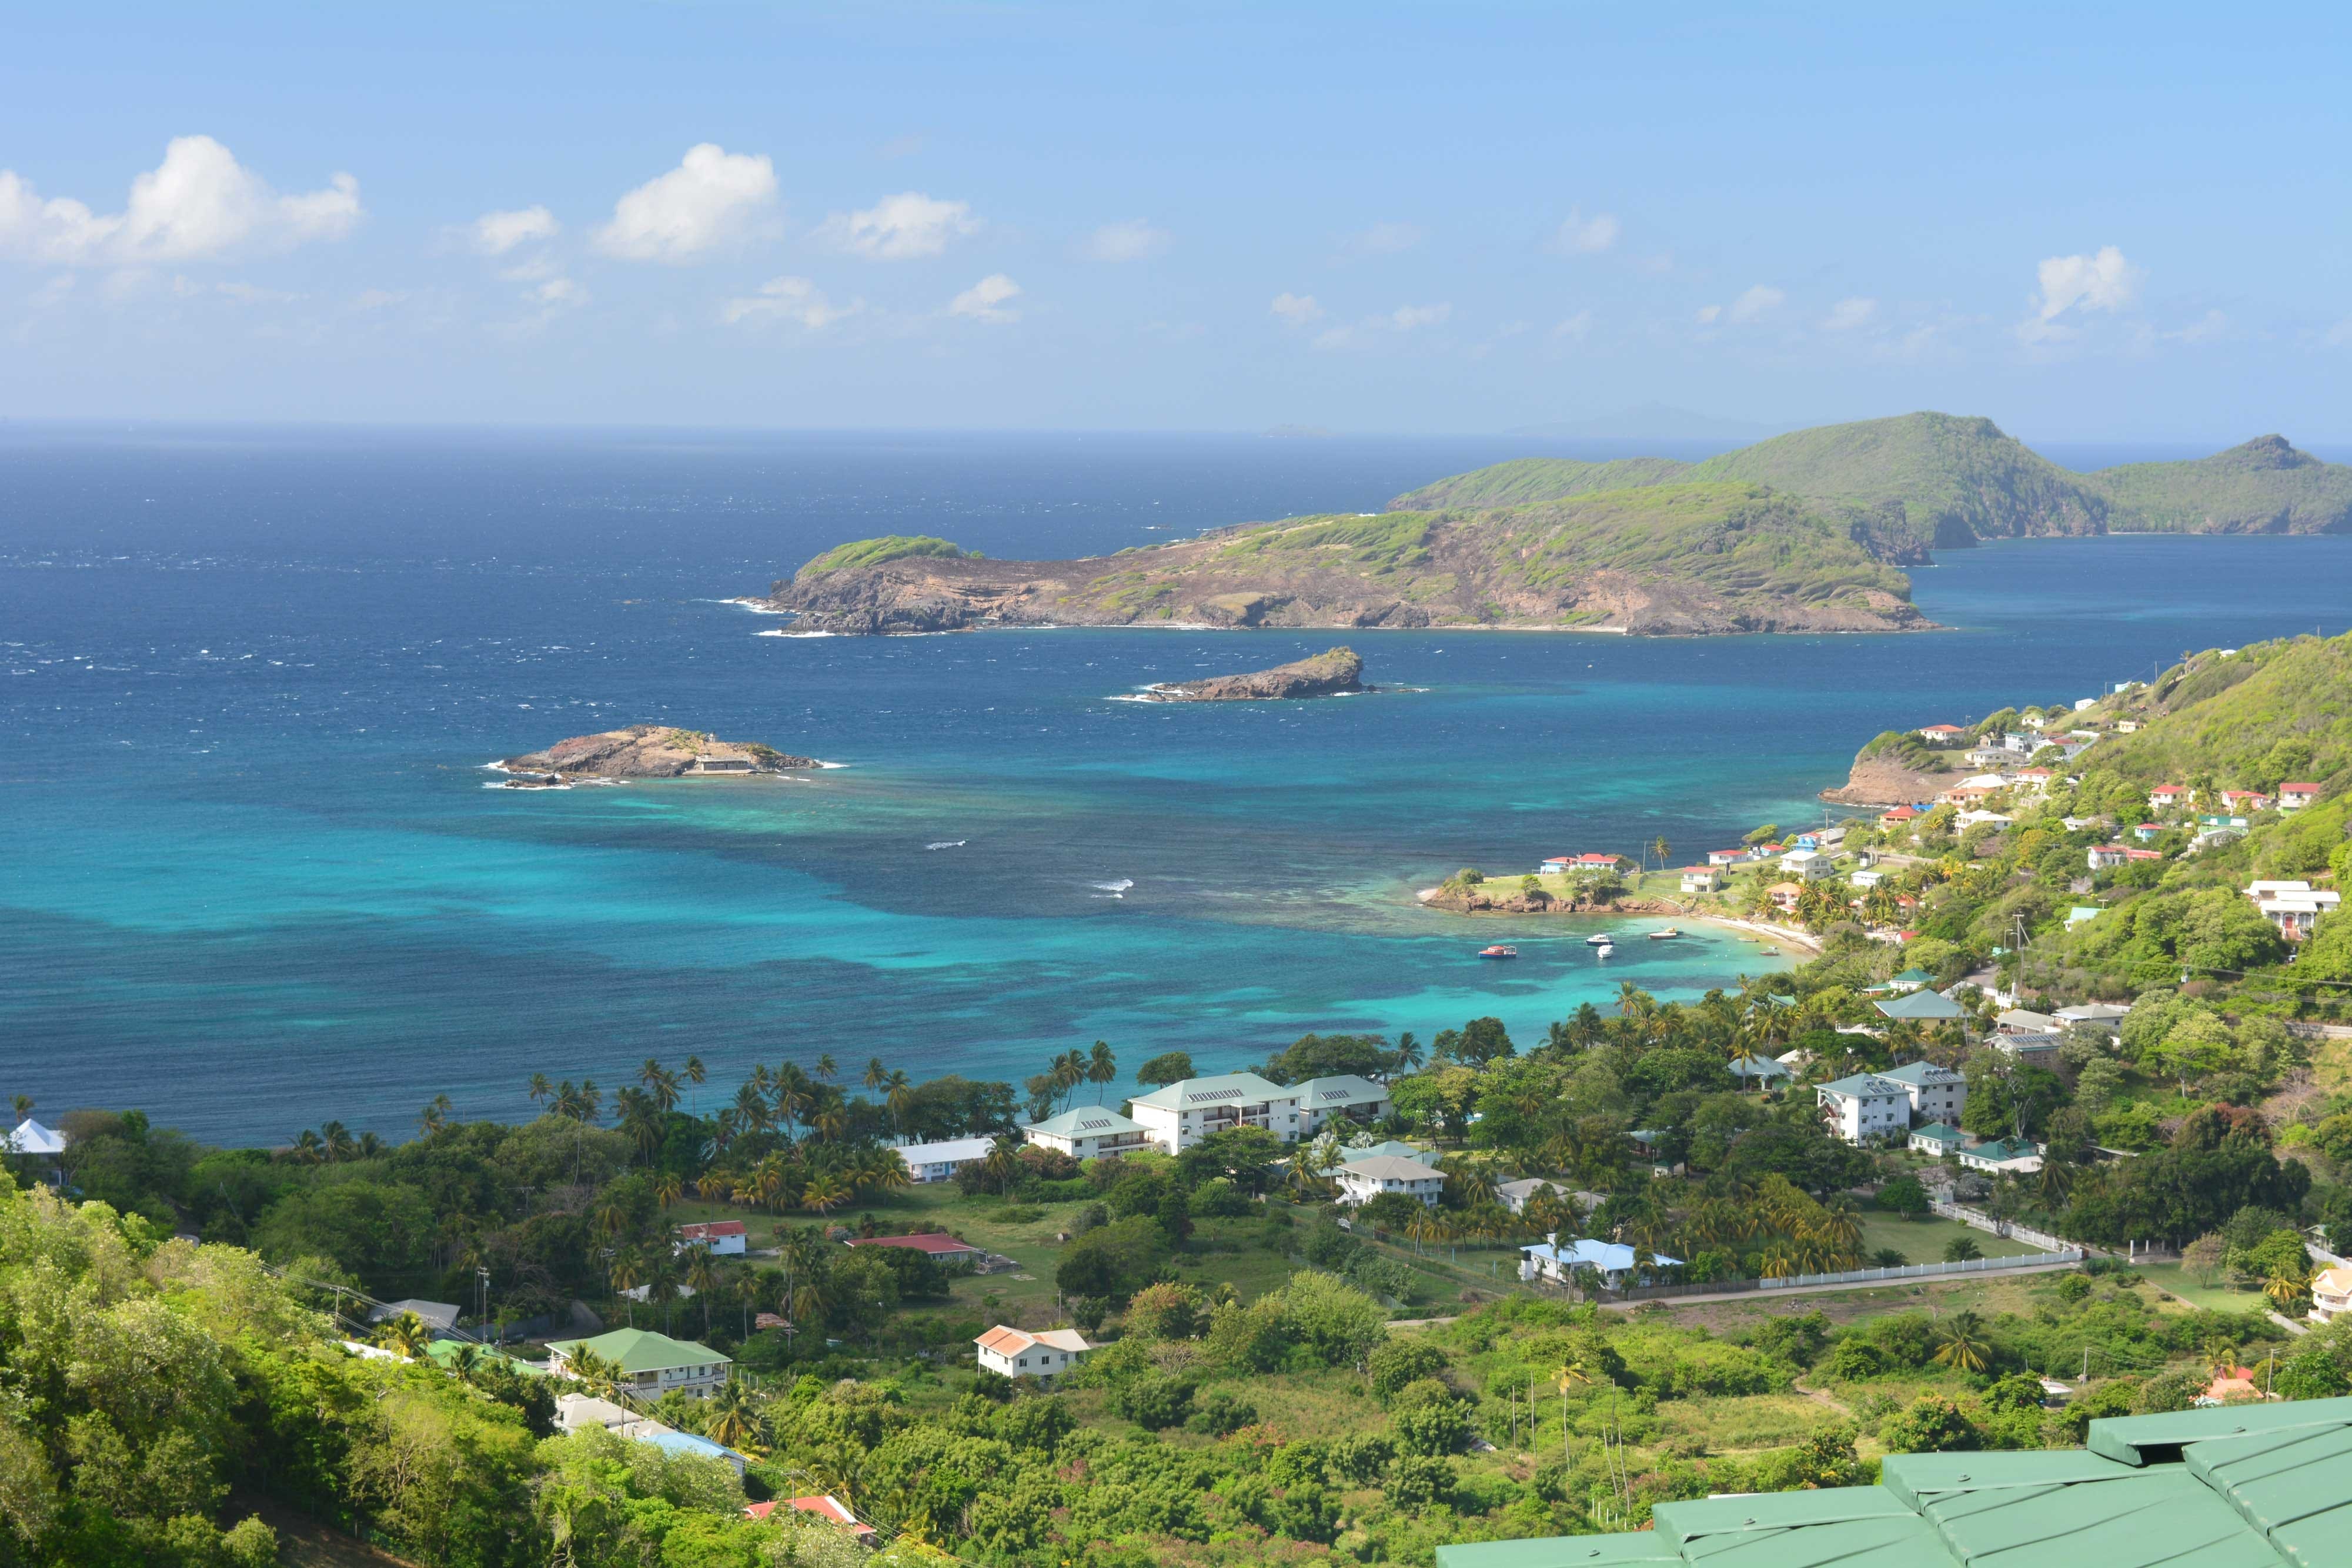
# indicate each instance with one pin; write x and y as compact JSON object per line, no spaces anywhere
{"x":648,"y":751}
{"x":1328,"y":674}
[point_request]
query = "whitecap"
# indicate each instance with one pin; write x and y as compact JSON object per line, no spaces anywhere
{"x":779,"y":631}
{"x":948,"y":844}
{"x":833,"y":764}
{"x":1113,"y":888}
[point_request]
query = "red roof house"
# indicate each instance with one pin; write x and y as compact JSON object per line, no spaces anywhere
{"x":823,"y":1507}
{"x":947,"y":1249}
{"x":2295,"y":797}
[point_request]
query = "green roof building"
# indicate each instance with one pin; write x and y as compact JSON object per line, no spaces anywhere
{"x":2240,"y":1485}
{"x":1923,"y":1005}
{"x":651,"y":1365}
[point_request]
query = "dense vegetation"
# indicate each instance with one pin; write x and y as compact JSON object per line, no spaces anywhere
{"x":874,"y":551}
{"x":1528,"y":480}
{"x":2262,"y":487}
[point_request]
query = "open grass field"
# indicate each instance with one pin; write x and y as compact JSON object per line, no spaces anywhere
{"x":2220,"y":1296}
{"x":1924,"y":1240}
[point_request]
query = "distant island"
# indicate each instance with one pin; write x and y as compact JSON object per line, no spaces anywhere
{"x":1328,"y":674}
{"x":1806,"y":532}
{"x":650,"y":751}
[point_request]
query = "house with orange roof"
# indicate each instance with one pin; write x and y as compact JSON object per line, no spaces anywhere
{"x":2246,"y":799}
{"x":2295,"y":797}
{"x":2331,"y":1294}
{"x":1784,"y":895}
{"x":2170,"y":796}
{"x":2234,"y":1386}
{"x":1016,"y":1352}
{"x":824,"y":1506}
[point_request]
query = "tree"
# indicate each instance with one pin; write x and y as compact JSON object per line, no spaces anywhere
{"x":1963,"y":1347}
{"x":1169,"y":1067}
{"x":1102,"y":1068}
{"x":876,"y":1073}
{"x":1932,"y":1425}
{"x":1905,"y":1196}
{"x":1962,"y":1249}
{"x":2203,"y":1256}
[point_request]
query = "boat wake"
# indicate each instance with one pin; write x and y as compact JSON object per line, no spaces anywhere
{"x":948,"y":844}
{"x":1113,"y":889}
{"x":779,"y":631}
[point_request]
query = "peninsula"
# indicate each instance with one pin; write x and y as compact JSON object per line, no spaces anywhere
{"x":1328,"y":674}
{"x":652,"y":751}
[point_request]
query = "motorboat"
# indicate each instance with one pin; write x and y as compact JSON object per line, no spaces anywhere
{"x":1663,"y":933}
{"x":1498,"y":951}
{"x":1604,"y":949}
{"x":1602,"y":940}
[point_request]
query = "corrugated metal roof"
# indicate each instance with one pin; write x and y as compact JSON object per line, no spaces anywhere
{"x":2264,"y":1486}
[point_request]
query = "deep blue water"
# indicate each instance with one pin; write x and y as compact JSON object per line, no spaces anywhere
{"x":253,"y":879}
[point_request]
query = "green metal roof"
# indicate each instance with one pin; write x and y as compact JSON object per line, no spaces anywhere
{"x":1207,"y":1094}
{"x":642,"y":1350}
{"x":2251,"y":1485}
{"x":1940,"y":1132}
{"x":1920,"y":1004}
{"x":1084,"y":1122}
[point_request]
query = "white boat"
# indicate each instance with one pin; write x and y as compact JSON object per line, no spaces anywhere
{"x":1602,"y":940}
{"x":1604,"y":949}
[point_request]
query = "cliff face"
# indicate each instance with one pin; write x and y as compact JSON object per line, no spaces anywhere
{"x":1663,"y":561}
{"x":1882,"y":781}
{"x":1339,"y":670}
{"x":652,"y":751}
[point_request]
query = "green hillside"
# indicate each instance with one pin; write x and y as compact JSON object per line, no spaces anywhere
{"x":1954,"y":480}
{"x":874,"y":551}
{"x":1528,"y":480}
{"x":2252,"y":719}
{"x":2265,"y":486}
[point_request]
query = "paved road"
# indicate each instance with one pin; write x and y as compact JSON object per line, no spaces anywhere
{"x":1854,"y":1285}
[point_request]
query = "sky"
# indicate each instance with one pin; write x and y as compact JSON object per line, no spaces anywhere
{"x":2089,"y":223}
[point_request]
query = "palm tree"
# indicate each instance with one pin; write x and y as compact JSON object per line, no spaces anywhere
{"x":538,"y":1089}
{"x":650,"y":1073}
{"x":435,"y":1117}
{"x":598,"y":1374}
{"x":1659,"y":847}
{"x":1002,"y":1165}
{"x":23,"y":1106}
{"x":830,"y":1116}
{"x":695,"y":1073}
{"x":1102,"y":1068}
{"x":703,"y":1275}
{"x":1963,"y":1348}
{"x":827,"y":1069}
{"x":662,"y":1280}
{"x":465,"y":1360}
{"x":898,"y":1093}
{"x":406,"y":1335}
{"x":2287,"y":1284}
{"x":368,"y":1148}
{"x":823,"y":1194}
{"x":668,"y":1187}
{"x":306,"y":1149}
{"x":752,"y":1108}
{"x":1409,"y":1052}
{"x":338,"y":1140}
{"x":795,"y":1093}
{"x":611,"y":1219}
{"x":876,"y":1075}
{"x":732,"y":1419}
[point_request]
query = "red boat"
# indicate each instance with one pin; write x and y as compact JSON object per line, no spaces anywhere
{"x":1498,"y":951}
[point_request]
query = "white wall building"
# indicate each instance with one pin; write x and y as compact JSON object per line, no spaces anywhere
{"x":1016,"y":1352}
{"x":1182,"y":1114}
{"x":1808,"y":866}
{"x":1361,"y":1181}
{"x":725,"y":1238}
{"x":1341,"y":1098}
{"x":940,"y":1161}
{"x":1866,"y":1106}
{"x":1089,"y":1131}
{"x":1938,"y":1093}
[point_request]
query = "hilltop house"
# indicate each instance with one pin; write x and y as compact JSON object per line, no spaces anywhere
{"x":937,"y":1246}
{"x":2170,"y":796}
{"x":1088,"y":1132}
{"x":1728,"y":857}
{"x":1922,"y":1005}
{"x":1752,"y":1071}
{"x":1864,"y":1106}
{"x":2107,"y":857}
{"x":2021,"y":1156}
{"x":1363,"y":1180}
{"x":1180,"y":1114}
{"x":1017,"y":1352}
{"x":2331,"y":1294}
{"x":1702,"y":878}
{"x":650,"y":1364}
{"x":1938,"y":1138}
{"x":1944,"y":735}
{"x":940,"y":1161}
{"x":1515,"y":1194}
{"x":2294,"y":907}
{"x":2295,"y":797}
{"x":2245,"y":800}
{"x":1867,"y":878}
{"x":824,"y":1505}
{"x":2147,"y":831}
{"x":1937,"y":1094}
{"x":1343,"y":1097}
{"x":1808,"y":866}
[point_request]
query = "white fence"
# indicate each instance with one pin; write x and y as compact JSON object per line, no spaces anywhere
{"x":1926,"y":1270}
{"x":1984,"y":1221}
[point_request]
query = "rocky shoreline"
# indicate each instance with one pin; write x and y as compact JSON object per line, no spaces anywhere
{"x":645,"y":751}
{"x":1333,"y":672}
{"x":1488,"y":898}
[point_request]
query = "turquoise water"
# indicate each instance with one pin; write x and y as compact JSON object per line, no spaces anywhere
{"x":255,"y":880}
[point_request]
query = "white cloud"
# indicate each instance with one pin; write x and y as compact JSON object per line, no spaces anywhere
{"x":1708,"y":313}
{"x":1296,"y":309}
{"x":1383,"y":239}
{"x":2206,"y":329}
{"x":899,"y":227}
{"x":495,"y":234}
{"x":711,"y":198}
{"x":1405,"y":318}
{"x":559,"y":292}
{"x":1754,"y":303}
{"x":1847,"y":314}
{"x":1574,"y":327}
{"x":1581,"y":235}
{"x":789,"y":299}
{"x":1134,"y":240}
{"x":199,"y":203}
{"x":379,"y":299}
{"x":2101,"y":281}
{"x":983,"y":300}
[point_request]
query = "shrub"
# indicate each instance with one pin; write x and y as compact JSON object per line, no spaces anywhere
{"x":1855,"y":1360}
{"x":1418,"y":1481}
{"x":1155,"y":1400}
{"x":1933,"y":1425}
{"x":1166,"y":1311}
{"x":1221,"y":1414}
{"x":1363,"y":1458}
{"x":1404,"y":1361}
{"x":1962,"y":1249}
{"x":1429,"y":1419}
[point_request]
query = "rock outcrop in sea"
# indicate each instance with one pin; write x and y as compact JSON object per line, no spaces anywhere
{"x":1325,"y":674}
{"x":653,"y":752}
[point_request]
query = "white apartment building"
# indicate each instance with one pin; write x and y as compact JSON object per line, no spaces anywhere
{"x":1864,"y":1106}
{"x":1182,"y":1114}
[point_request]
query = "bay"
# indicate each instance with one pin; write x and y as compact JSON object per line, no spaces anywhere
{"x":254,"y":879}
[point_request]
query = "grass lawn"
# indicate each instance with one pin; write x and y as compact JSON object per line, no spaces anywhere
{"x":1924,"y":1240}
{"x":2220,"y":1296}
{"x":1742,"y":1424}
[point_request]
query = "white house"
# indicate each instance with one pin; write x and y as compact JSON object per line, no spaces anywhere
{"x":2294,"y":907}
{"x":1808,"y":866}
{"x":1016,"y":1352}
{"x":2105,"y":1015}
{"x":1752,"y":1070}
{"x":725,"y":1238}
{"x":2295,"y":797}
{"x":1344,"y":1097}
{"x":1515,"y":1195}
{"x":2168,"y":797}
{"x":940,"y":1161}
{"x":1088,"y":1132}
{"x":1361,"y":1181}
{"x":1182,"y":1114}
{"x":1938,"y":1093}
{"x":2331,"y":1290}
{"x":1867,"y":878}
{"x":1730,"y":857}
{"x":650,"y":1364}
{"x":1614,"y":1263}
{"x":1866,"y":1106}
{"x":1938,"y":1138}
{"x":31,"y":1138}
{"x":1702,"y":878}
{"x":2021,"y":1156}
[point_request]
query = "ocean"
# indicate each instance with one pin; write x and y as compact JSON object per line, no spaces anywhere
{"x":255,"y":880}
